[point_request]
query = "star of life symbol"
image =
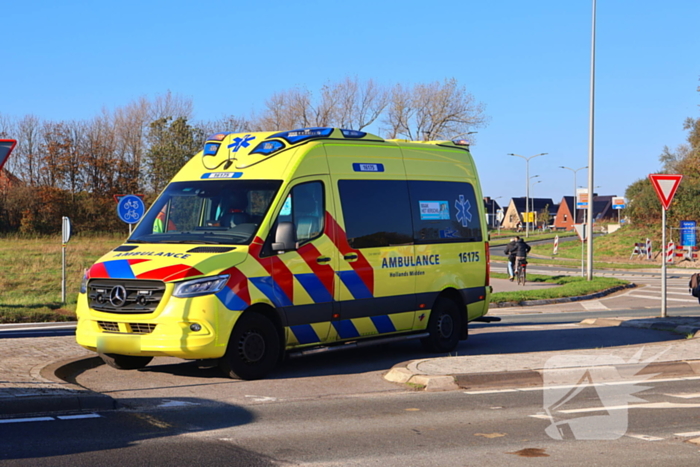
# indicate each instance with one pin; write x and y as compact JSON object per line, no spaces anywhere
{"x":239,"y":142}
{"x":463,"y":210}
{"x":609,"y":376}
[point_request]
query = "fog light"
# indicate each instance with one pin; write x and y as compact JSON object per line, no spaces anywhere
{"x":196,"y":327}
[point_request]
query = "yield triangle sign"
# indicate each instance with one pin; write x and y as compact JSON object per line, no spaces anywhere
{"x":6,"y":147}
{"x":665,"y":186}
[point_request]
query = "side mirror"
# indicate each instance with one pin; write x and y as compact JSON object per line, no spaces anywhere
{"x":285,"y":237}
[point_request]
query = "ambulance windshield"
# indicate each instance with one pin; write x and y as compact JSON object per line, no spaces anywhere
{"x":226,"y":212}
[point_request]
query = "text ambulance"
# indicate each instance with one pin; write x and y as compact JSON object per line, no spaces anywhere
{"x":271,"y":244}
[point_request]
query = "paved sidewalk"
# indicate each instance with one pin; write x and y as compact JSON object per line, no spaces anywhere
{"x":476,"y":372}
{"x":30,"y":370}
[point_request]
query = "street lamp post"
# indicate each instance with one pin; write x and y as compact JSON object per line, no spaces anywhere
{"x":533,"y":204}
{"x":527,"y":185}
{"x":574,"y":171}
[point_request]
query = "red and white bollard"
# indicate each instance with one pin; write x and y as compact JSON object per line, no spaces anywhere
{"x":670,"y":250}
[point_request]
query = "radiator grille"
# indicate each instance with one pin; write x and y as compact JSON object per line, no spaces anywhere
{"x":133,"y":328}
{"x":123,"y":296}
{"x":109,"y":326}
{"x":142,"y":328}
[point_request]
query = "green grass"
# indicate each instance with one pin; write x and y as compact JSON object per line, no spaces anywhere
{"x":569,"y":286}
{"x":30,"y":289}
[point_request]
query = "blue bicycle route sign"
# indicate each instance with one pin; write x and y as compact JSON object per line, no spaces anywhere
{"x":130,"y":209}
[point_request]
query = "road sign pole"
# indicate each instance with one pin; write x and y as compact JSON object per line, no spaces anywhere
{"x":665,"y":186}
{"x":663,"y":263}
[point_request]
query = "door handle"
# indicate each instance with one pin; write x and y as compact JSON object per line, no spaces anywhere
{"x":350,"y":257}
{"x":323,"y":260}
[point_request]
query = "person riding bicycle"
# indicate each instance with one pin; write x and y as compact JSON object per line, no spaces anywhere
{"x":521,"y":250}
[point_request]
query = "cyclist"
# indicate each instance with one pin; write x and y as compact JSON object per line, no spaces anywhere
{"x":521,"y":250}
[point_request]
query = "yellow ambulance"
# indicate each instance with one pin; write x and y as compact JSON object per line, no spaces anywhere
{"x":267,"y":245}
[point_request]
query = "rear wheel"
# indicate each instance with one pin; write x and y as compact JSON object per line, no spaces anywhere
{"x":444,"y":326}
{"x":125,"y":362}
{"x":253,"y":348}
{"x":522,"y":274}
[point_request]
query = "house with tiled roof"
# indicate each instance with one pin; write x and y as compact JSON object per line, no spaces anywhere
{"x":516,"y":209}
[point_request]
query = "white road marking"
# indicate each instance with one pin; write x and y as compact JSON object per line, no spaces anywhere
{"x":685,"y":395}
{"x":657,"y":297}
{"x":78,"y":417}
{"x":613,"y":383}
{"x":594,"y":305}
{"x":263,"y":398}
{"x":689,"y":434}
{"x":33,"y":419}
{"x":648,"y":405}
{"x":170,"y":403}
{"x":644,"y":437}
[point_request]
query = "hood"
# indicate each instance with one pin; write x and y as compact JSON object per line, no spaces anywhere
{"x":166,"y":262}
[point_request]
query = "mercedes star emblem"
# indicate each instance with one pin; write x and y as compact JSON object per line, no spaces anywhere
{"x":117,"y":297}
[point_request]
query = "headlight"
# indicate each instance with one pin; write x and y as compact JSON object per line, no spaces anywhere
{"x":83,"y":283}
{"x":197,"y":287}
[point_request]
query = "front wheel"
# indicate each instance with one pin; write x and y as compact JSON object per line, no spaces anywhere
{"x":253,"y":349}
{"x":444,"y":327}
{"x":125,"y":362}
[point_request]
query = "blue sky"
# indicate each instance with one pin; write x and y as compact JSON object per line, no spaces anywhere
{"x":528,"y":62}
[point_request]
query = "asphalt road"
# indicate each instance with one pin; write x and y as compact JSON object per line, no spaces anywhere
{"x":393,"y":429}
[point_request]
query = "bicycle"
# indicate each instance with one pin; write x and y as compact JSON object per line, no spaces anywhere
{"x":521,"y":271}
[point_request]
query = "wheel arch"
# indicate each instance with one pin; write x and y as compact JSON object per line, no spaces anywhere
{"x":454,"y":295}
{"x":274,"y":316}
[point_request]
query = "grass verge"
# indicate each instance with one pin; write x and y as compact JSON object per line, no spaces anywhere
{"x":571,"y":286}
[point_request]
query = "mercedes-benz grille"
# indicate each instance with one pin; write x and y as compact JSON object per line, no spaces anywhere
{"x":125,"y":296}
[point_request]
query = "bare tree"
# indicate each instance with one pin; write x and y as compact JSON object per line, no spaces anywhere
{"x":130,"y":128}
{"x":400,"y":112}
{"x":25,"y":160}
{"x":433,"y":111}
{"x":171,"y":106}
{"x":286,"y":110}
{"x":359,"y":105}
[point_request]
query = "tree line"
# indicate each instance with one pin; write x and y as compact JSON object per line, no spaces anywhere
{"x":643,"y":206}
{"x":74,"y":168}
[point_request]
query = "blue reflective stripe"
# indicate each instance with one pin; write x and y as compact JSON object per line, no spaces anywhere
{"x":119,"y":269}
{"x":231,"y":300}
{"x":305,"y":334}
{"x":314,"y":287}
{"x":352,"y":281}
{"x":271,"y":290}
{"x":346,"y":329}
{"x":383,"y":324}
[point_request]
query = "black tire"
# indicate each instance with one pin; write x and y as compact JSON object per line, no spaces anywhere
{"x":125,"y":362}
{"x":522,"y":274}
{"x":444,"y":326}
{"x":253,"y":348}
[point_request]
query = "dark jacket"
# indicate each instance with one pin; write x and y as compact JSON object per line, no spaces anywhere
{"x":521,"y":248}
{"x":510,"y":250}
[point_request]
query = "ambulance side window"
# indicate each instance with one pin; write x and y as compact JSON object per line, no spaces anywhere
{"x":444,"y":212}
{"x":305,"y":207}
{"x":376,"y":212}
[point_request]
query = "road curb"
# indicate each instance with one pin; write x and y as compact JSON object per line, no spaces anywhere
{"x":535,"y":377}
{"x":65,"y":396}
{"x":692,"y":331}
{"x":551,"y":301}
